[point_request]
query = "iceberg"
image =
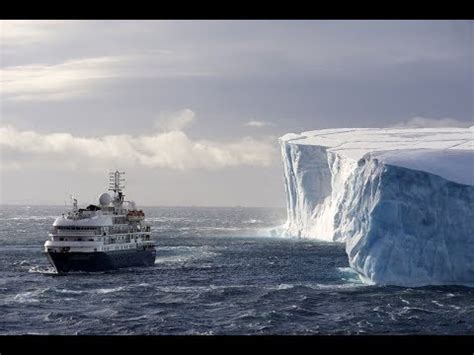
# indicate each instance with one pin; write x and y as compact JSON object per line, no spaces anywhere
{"x":401,"y":199}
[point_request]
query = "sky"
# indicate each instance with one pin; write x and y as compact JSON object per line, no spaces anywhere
{"x":192,"y":110}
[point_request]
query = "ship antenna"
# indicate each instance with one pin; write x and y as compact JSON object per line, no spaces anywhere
{"x":74,"y":203}
{"x":116,"y":185}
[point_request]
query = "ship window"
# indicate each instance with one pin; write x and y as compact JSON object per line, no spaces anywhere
{"x":61,"y":238}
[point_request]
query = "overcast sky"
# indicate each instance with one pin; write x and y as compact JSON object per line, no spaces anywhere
{"x":191,"y":110}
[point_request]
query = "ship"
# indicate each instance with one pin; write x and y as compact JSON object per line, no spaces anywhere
{"x":107,"y":236}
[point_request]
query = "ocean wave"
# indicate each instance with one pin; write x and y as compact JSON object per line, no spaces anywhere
{"x":142,"y":317}
{"x":184,"y":254}
{"x":104,"y":313}
{"x":275,"y":232}
{"x":40,"y":269}
{"x":201,"y":284}
{"x":29,"y":218}
{"x":74,"y":292}
{"x":252,"y":221}
{"x":350,"y":275}
{"x":437,"y":303}
{"x":109,"y":290}
{"x":315,"y":286}
{"x":29,"y":296}
{"x":415,"y":310}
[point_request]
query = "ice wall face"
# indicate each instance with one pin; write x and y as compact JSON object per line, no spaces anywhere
{"x":407,"y":227}
{"x":308,"y":187}
{"x":402,"y":200}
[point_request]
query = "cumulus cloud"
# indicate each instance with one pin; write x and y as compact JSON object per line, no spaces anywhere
{"x":257,"y":124}
{"x":175,"y":122}
{"x":171,"y":150}
{"x":426,"y":122}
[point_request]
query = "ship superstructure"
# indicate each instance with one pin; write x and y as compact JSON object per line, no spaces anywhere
{"x":107,"y":236}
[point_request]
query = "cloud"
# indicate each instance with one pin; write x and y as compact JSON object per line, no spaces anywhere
{"x":76,"y":77}
{"x":237,"y":51}
{"x":257,"y":124}
{"x":171,"y":150}
{"x":40,"y":81}
{"x":20,"y":32}
{"x":176,"y":121}
{"x":432,"y":122}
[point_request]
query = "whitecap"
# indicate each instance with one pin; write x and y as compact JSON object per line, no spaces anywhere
{"x":110,"y":290}
{"x":437,"y":303}
{"x":319,"y":286}
{"x":275,"y":232}
{"x":32,"y":218}
{"x":404,"y":300}
{"x":349,"y":274}
{"x":104,"y":312}
{"x":186,"y":254}
{"x":407,"y":309}
{"x":253,"y":221}
{"x":144,"y":316}
{"x":29,"y":296}
{"x":77,"y":292}
{"x":47,"y":270}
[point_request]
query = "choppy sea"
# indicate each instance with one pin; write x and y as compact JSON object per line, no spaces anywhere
{"x":217,"y":271}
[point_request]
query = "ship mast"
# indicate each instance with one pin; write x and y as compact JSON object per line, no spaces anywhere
{"x":116,"y":185}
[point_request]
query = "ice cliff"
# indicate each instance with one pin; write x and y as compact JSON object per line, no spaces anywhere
{"x":402,"y":200}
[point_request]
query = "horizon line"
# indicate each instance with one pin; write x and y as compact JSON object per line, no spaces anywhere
{"x":145,"y":206}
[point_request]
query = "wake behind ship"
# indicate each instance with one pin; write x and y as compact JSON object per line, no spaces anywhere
{"x":101,"y":237}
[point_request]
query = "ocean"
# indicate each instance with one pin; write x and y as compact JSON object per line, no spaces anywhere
{"x":217,"y":271}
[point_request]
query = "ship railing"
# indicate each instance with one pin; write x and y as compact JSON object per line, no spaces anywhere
{"x":116,"y":241}
{"x":72,"y":232}
{"x":71,"y":243}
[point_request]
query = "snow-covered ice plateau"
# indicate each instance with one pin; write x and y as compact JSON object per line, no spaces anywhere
{"x":401,"y":199}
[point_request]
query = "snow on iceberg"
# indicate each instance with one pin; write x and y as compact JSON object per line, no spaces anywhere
{"x":401,"y":199}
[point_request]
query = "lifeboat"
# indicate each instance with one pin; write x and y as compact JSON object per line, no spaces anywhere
{"x":135,"y":215}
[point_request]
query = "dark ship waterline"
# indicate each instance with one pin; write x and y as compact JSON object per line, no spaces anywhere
{"x":109,"y":236}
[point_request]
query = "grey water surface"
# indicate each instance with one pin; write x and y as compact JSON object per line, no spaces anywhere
{"x":217,"y":271}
